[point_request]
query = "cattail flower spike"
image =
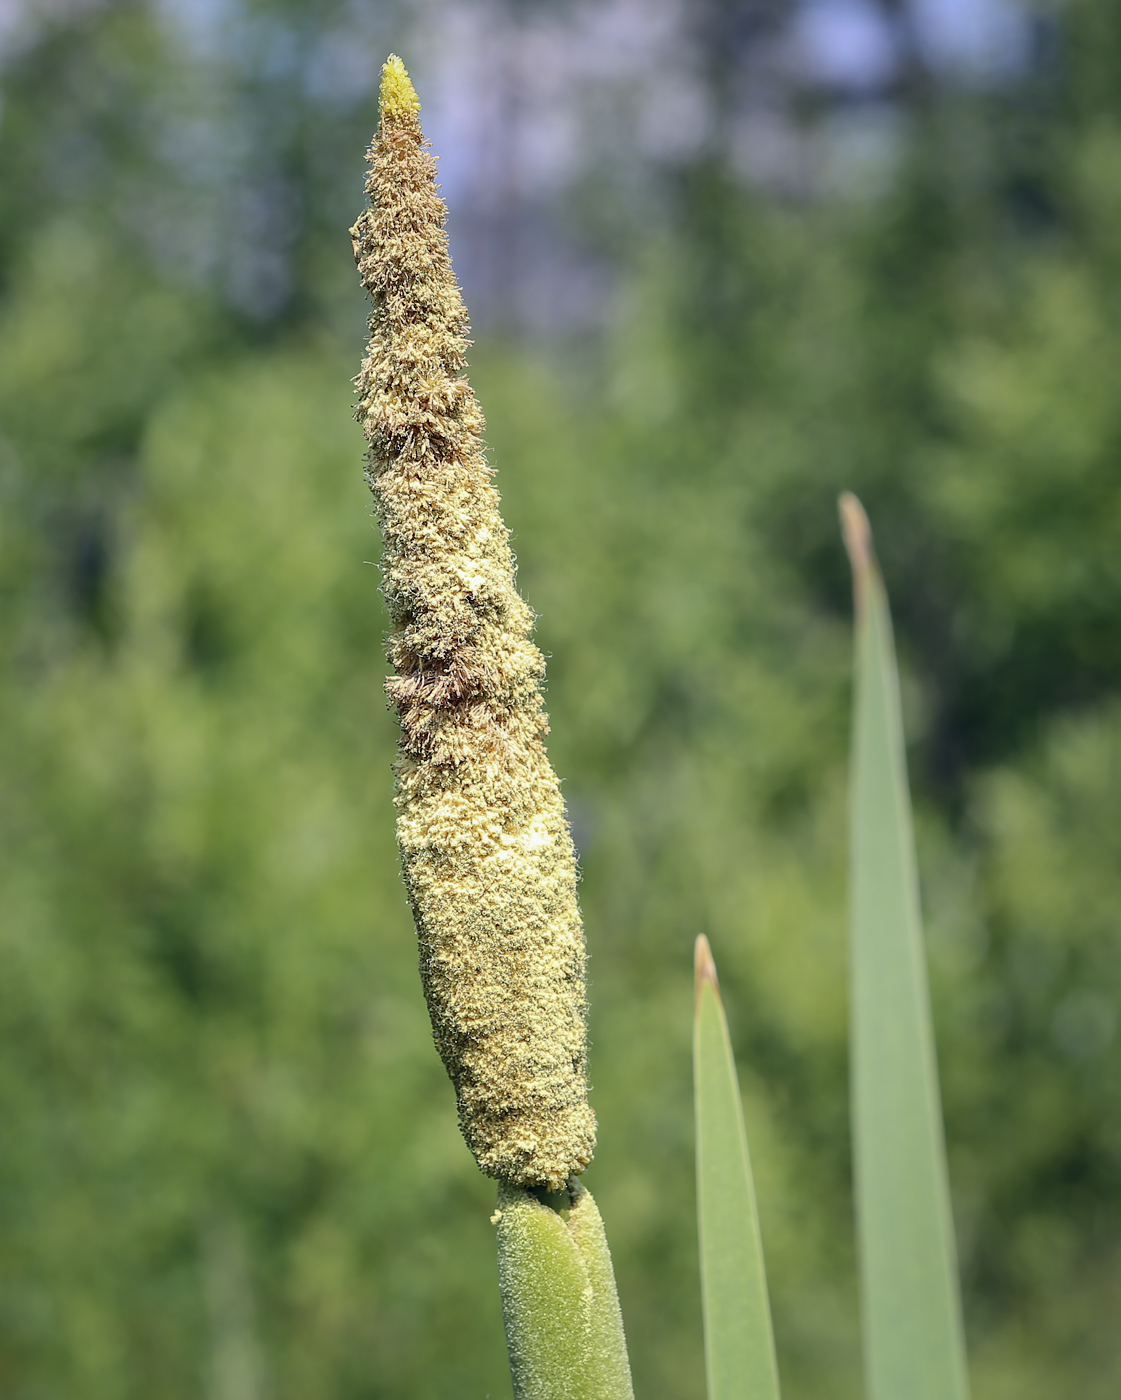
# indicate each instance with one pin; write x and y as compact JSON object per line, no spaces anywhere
{"x":486,"y":852}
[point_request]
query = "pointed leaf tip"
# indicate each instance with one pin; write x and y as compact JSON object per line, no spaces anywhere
{"x":704,"y":968}
{"x":739,"y":1348}
{"x":857,"y":534}
{"x":911,"y":1302}
{"x":397,"y":93}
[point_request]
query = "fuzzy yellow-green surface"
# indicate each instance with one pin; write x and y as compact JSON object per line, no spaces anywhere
{"x":487,"y":856}
{"x":564,"y":1330}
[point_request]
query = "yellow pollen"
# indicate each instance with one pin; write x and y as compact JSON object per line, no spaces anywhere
{"x":397,"y":92}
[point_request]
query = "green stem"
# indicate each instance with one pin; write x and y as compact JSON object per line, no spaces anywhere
{"x":564,"y":1330}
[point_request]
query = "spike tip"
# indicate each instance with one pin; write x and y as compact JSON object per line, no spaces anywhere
{"x":397,"y":93}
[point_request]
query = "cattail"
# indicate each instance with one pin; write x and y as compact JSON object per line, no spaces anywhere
{"x":486,"y":852}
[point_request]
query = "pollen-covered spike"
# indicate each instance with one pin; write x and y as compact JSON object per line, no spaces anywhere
{"x":486,"y":852}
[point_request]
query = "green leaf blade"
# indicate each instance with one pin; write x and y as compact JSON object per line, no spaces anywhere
{"x":739,"y":1345}
{"x":910,"y":1298}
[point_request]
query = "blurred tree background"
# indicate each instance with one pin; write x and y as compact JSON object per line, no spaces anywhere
{"x":791,"y":248}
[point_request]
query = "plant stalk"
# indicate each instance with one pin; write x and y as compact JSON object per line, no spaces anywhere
{"x":564,"y":1329}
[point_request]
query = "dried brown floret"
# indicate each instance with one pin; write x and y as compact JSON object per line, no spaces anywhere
{"x":486,"y":851}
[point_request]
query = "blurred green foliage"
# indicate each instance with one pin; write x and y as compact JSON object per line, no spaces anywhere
{"x":229,"y":1162}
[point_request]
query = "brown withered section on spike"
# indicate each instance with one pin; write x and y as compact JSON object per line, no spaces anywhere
{"x":486,"y":852}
